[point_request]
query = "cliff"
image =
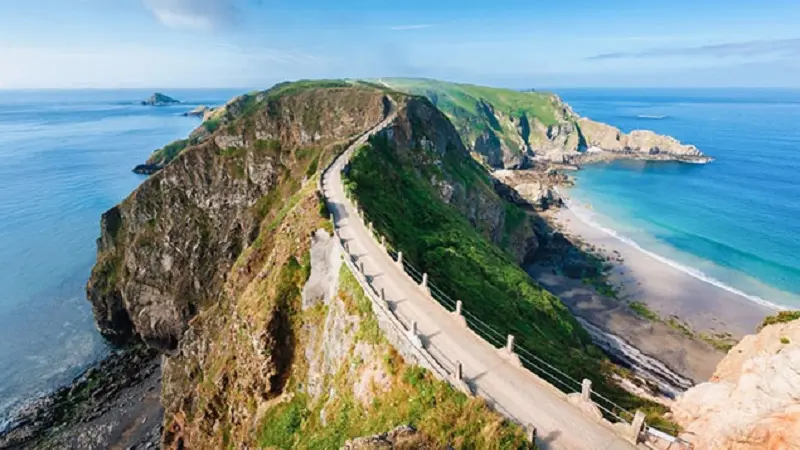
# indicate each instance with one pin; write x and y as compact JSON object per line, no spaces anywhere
{"x":222,"y":261}
{"x":164,"y":252}
{"x":753,"y":399}
{"x":509,"y":129}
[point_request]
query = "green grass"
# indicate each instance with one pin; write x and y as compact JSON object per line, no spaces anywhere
{"x":211,"y":125}
{"x":411,"y":396}
{"x":781,"y":317}
{"x":358,"y":304}
{"x":438,"y":240}
{"x":462,"y":103}
{"x":169,"y":151}
{"x":642,"y":309}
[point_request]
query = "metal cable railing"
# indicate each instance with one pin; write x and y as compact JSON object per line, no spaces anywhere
{"x":498,"y":339}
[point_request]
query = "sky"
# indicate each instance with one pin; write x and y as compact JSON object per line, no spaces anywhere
{"x":512,"y":43}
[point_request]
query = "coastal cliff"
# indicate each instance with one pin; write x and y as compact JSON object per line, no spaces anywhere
{"x":509,"y":129}
{"x":752,"y":401}
{"x":165,"y":251}
{"x":223,"y":261}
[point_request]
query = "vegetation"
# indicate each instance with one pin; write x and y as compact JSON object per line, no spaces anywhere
{"x":169,"y":151}
{"x":720,"y":341}
{"x":211,"y":125}
{"x":461,"y":262}
{"x":642,"y":309}
{"x":781,"y":317}
{"x":410,"y":395}
{"x":469,"y":107}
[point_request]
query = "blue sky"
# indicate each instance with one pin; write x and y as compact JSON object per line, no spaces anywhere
{"x":514,"y":43}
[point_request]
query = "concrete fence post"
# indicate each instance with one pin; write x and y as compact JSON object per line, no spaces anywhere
{"x":510,"y":344}
{"x":458,"y":307}
{"x":370,"y":228}
{"x":400,"y":259}
{"x":413,"y":330}
{"x":636,"y":426}
{"x":424,"y":282}
{"x":459,"y":371}
{"x":361,"y":267}
{"x":531,"y":432}
{"x":586,"y":390}
{"x":383,"y":295}
{"x":383,"y":242}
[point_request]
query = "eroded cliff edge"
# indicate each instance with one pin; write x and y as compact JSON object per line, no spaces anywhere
{"x":165,"y":251}
{"x":510,"y":129}
{"x":208,"y":259}
{"x":753,"y":399}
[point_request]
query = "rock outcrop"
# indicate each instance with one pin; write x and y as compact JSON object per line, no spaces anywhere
{"x":159,"y":99}
{"x":200,"y":111}
{"x":753,"y":400}
{"x":605,"y":142}
{"x":165,"y":251}
{"x":510,"y":129}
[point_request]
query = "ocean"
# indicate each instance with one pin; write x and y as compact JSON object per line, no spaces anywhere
{"x":66,"y":158}
{"x":735,"y":222}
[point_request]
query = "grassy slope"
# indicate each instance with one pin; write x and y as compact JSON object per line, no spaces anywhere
{"x":460,"y":103}
{"x":443,"y":415}
{"x":435,"y":238}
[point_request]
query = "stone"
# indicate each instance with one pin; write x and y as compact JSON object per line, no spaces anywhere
{"x":753,"y":399}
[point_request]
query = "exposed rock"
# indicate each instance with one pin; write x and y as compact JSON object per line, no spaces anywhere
{"x":402,"y":437}
{"x":112,"y":404}
{"x":325,"y":264}
{"x":536,"y":187}
{"x":642,"y":144}
{"x":165,"y":251}
{"x":159,"y":99}
{"x":199,"y":111}
{"x":147,"y":169}
{"x":753,"y":400}
{"x":514,"y":130}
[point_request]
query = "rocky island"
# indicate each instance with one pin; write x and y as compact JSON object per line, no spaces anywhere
{"x":159,"y":99}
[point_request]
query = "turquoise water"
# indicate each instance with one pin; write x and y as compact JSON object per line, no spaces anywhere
{"x":66,"y":158}
{"x":734,"y":222}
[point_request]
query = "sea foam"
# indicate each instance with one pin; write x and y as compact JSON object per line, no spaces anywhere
{"x":585,"y":216}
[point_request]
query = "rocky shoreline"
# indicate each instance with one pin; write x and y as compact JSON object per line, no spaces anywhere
{"x":114,"y":404}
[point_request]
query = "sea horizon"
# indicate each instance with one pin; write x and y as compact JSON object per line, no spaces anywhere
{"x":729,"y":222}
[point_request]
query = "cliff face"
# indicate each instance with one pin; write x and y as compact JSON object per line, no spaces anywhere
{"x":165,"y":251}
{"x":223,"y":260}
{"x":514,"y":130}
{"x":424,"y":139}
{"x":753,"y":399}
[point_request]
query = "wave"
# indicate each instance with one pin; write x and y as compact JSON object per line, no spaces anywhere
{"x":651,"y":117}
{"x":586,"y":218}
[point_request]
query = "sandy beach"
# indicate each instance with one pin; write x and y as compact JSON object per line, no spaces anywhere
{"x":667,"y":291}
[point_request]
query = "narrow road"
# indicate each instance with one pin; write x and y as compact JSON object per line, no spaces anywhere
{"x":513,"y":391}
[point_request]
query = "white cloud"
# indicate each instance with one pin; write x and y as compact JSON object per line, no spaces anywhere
{"x":131,"y":65}
{"x":194,"y":14}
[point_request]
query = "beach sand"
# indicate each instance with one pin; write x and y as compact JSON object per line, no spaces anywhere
{"x":665,"y":290}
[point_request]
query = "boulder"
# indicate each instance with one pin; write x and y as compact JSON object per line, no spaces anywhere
{"x":753,"y":399}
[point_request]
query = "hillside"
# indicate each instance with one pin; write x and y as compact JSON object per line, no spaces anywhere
{"x":512,"y":129}
{"x":410,"y":181}
{"x":223,"y":261}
